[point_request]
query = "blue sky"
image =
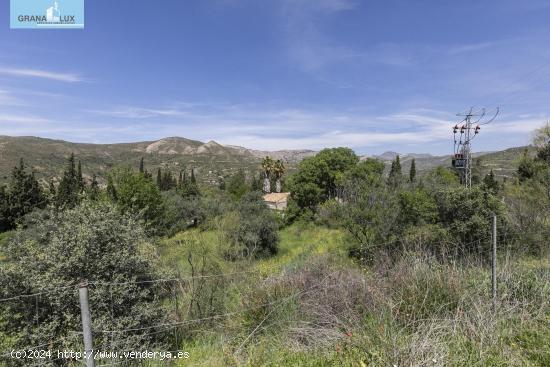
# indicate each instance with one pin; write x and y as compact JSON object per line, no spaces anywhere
{"x":281,"y":74}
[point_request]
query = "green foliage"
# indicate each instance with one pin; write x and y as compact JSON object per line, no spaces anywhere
{"x":165,"y":180}
{"x":183,"y":212}
{"x":253,"y":233}
{"x":94,"y":188}
{"x":237,"y":186}
{"x":490,"y":183}
{"x":369,"y":215}
{"x":91,"y":242}
{"x":136,"y":195}
{"x":369,"y":171}
{"x":21,"y":197}
{"x":417,"y":208}
{"x":542,"y":142}
{"x":318,"y":177}
{"x":71,"y":186}
{"x":395,"y":176}
{"x":468,"y":213}
{"x":412,"y":171}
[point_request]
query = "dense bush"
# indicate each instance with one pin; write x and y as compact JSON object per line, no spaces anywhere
{"x":136,"y":194}
{"x":91,"y":242}
{"x":253,"y":233}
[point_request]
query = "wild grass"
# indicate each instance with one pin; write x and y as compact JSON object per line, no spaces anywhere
{"x":310,"y":305}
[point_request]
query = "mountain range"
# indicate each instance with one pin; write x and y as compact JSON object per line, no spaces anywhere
{"x":210,"y":160}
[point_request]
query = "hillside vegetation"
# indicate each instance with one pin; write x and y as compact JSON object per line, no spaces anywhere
{"x":211,"y":160}
{"x":367,"y":266}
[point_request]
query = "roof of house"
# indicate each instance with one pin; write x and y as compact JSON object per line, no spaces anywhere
{"x":276,"y":197}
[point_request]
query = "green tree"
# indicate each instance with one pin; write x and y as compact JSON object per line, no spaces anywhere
{"x":80,"y":178}
{"x":256,"y":231}
{"x":490,"y":183}
{"x":237,"y":186}
{"x":417,"y":208}
{"x":69,"y":188}
{"x":159,"y":178}
{"x":111,"y":190}
{"x":412,"y":172}
{"x":94,"y":188}
{"x":139,"y":196}
{"x":468,"y":213}
{"x":369,"y":215}
{"x":395,"y":177}
{"x":4,"y":209}
{"x":22,"y":196}
{"x":92,"y":242}
{"x":542,"y":141}
{"x":141,"y":166}
{"x":318,"y":178}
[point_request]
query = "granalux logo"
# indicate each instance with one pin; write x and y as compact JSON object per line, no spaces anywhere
{"x":46,"y":13}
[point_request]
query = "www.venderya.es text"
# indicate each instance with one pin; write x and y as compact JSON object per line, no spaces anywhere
{"x":46,"y":354}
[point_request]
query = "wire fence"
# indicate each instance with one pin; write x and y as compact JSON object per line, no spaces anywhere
{"x":478,"y":249}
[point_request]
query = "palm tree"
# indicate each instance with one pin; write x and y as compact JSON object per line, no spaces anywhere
{"x":279,"y":170}
{"x":267,"y":166}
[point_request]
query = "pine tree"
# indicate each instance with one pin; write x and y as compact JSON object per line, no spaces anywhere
{"x":79,"y":178}
{"x":491,"y":183}
{"x":69,"y":187}
{"x":159,"y":178}
{"x":141,"y":166}
{"x":111,"y":190}
{"x":4,"y":209}
{"x":94,"y":188}
{"x":23,"y":196}
{"x":52,"y":192}
{"x":395,"y":176}
{"x":412,"y":172}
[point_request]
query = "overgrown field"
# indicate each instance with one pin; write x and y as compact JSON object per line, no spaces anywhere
{"x":311,"y":305}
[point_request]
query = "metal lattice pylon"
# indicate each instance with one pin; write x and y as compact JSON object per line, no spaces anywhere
{"x":467,"y":130}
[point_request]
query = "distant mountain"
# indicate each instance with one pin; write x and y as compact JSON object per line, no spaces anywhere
{"x":288,"y":156}
{"x":503,"y":163}
{"x":210,"y":160}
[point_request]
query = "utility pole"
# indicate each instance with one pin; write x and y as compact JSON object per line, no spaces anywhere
{"x":494,"y":263}
{"x":462,"y":158}
{"x":86,"y":324}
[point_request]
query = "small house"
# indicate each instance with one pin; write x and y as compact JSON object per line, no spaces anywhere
{"x":277,"y":200}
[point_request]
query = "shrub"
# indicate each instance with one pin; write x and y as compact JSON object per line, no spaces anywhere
{"x":91,"y":242}
{"x":137,"y":195}
{"x":255,"y":234}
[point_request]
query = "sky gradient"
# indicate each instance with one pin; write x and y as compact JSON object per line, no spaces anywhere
{"x":281,"y":74}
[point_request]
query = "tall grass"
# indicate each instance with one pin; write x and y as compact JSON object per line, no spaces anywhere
{"x":312,"y":306}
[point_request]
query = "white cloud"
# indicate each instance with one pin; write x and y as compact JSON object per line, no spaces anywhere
{"x":22,"y":119}
{"x":138,"y":112}
{"x":8,"y":99}
{"x":42,"y":74}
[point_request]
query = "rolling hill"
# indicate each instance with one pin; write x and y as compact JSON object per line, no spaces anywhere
{"x":211,"y":160}
{"x":503,"y":163}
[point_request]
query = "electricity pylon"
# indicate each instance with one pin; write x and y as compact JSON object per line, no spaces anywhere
{"x":468,"y":129}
